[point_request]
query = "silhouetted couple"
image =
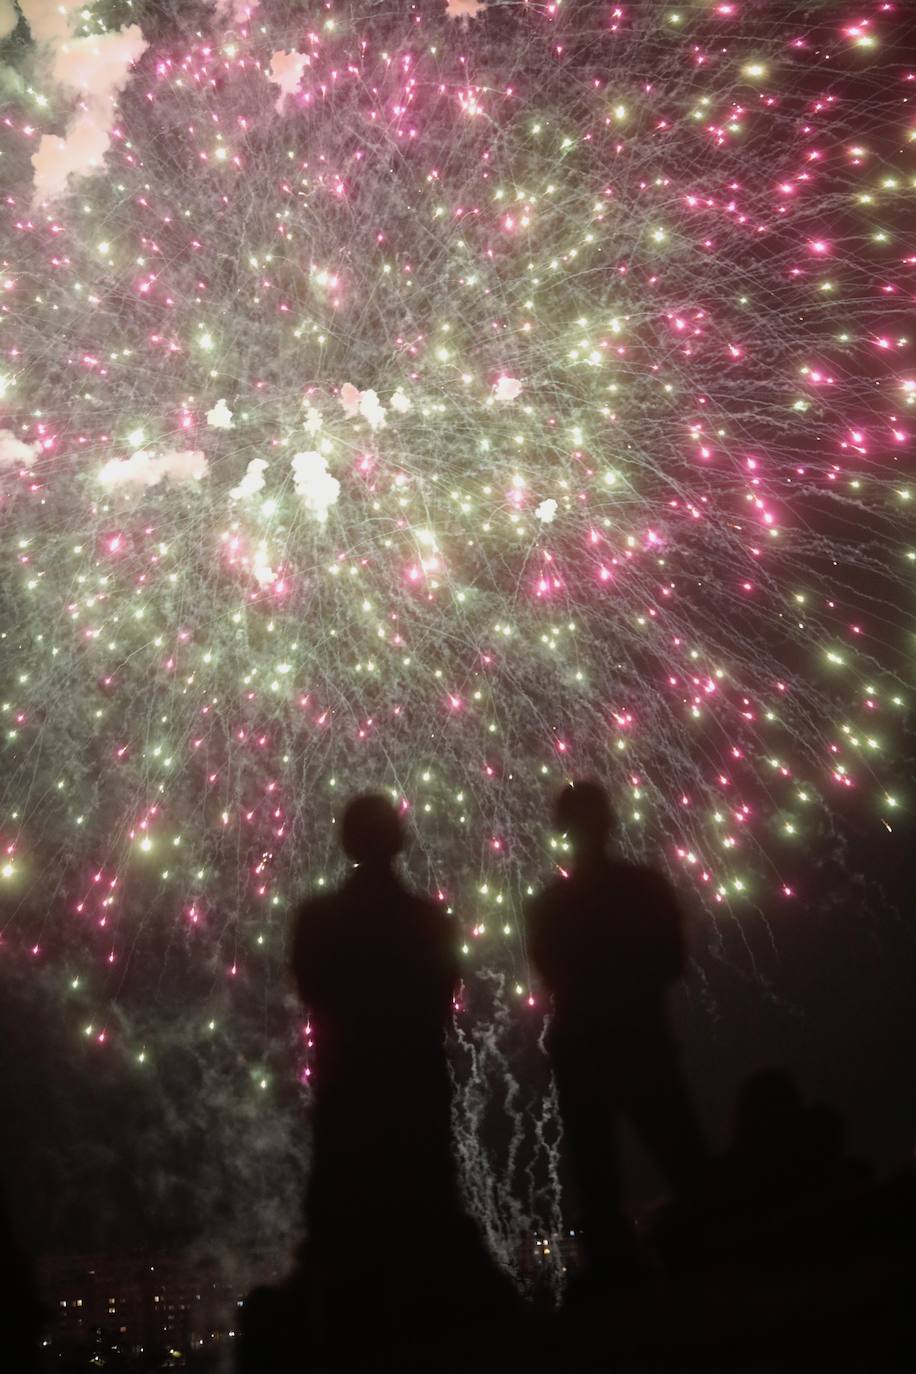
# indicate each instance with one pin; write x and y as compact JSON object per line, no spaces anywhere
{"x":377,"y":968}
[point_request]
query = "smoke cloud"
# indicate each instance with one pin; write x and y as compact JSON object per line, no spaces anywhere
{"x":96,"y":68}
{"x":314,"y":484}
{"x":286,"y":70}
{"x":49,"y":22}
{"x":220,"y":417}
{"x":14,"y":451}
{"x":252,"y":482}
{"x":349,"y":399}
{"x":365,"y":403}
{"x":464,"y":10}
{"x":142,"y":470}
{"x":8,"y":18}
{"x":507,"y":389}
{"x":80,"y":150}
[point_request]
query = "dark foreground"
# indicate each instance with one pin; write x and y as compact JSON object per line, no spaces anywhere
{"x":823,"y":1284}
{"x":824,"y":1281}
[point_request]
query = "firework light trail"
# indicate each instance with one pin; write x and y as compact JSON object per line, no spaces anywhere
{"x":450,"y":399}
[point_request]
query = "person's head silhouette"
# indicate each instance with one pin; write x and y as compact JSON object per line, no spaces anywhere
{"x":584,"y":814}
{"x":768,"y":1114}
{"x":371,"y":831}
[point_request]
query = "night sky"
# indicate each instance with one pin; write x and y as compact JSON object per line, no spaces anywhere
{"x":451,"y":399}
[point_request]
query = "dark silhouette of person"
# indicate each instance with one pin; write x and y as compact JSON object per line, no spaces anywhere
{"x":21,"y":1309}
{"x":783,"y":1149}
{"x":768,"y":1137}
{"x":377,"y":967}
{"x":827,"y":1162}
{"x":607,"y":942}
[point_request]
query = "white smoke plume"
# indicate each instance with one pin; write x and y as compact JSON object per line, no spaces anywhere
{"x":313,"y":420}
{"x":144,"y":469}
{"x":48,"y":21}
{"x":252,"y":482}
{"x":464,"y":10}
{"x":15,"y":451}
{"x":220,"y":417}
{"x":365,"y":403}
{"x":314,"y":484}
{"x":58,"y":158}
{"x":349,"y":399}
{"x":8,"y":18}
{"x":371,"y":409}
{"x":400,"y":401}
{"x":507,"y":389}
{"x":286,"y":70}
{"x":96,"y":68}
